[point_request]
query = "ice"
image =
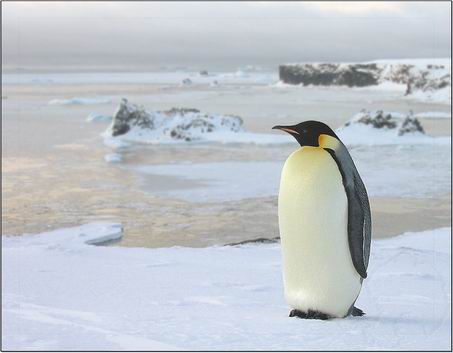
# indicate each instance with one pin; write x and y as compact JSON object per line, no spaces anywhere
{"x":359,"y":134}
{"x":133,"y":123}
{"x":433,"y":115}
{"x":438,"y":96}
{"x":385,"y":170}
{"x":157,"y":77}
{"x":80,"y":101}
{"x":113,"y":158}
{"x":61,"y":294}
{"x":425,"y":80}
{"x":94,"y":117}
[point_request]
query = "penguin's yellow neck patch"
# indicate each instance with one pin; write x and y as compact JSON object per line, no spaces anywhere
{"x":327,"y":141}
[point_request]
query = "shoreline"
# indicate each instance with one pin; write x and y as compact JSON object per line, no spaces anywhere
{"x":192,"y":225}
{"x":55,"y":174}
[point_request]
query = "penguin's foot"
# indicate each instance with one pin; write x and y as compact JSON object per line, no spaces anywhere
{"x":357,"y":312}
{"x":310,"y":314}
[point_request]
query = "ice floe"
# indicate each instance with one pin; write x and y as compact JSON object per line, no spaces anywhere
{"x":132,"y":123}
{"x":80,"y":101}
{"x":113,"y":157}
{"x":94,"y":117}
{"x":386,"y":128}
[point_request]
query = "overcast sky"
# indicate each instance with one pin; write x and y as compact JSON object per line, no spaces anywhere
{"x":219,"y":35}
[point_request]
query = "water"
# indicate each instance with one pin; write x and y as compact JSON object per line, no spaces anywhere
{"x":55,"y":175}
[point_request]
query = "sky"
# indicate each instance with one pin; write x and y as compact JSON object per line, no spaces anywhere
{"x":214,"y":35}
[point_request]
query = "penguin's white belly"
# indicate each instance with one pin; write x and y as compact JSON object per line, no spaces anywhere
{"x":318,"y":271}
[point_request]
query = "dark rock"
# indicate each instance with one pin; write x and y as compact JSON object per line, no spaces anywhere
{"x":361,"y":75}
{"x":379,"y":120}
{"x":357,"y":75}
{"x":127,"y":115}
{"x":256,"y":241}
{"x":186,"y":124}
{"x":382,"y":120}
{"x":203,"y":73}
{"x":175,"y":111}
{"x":410,"y":125}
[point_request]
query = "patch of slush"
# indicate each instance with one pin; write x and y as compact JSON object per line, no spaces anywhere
{"x":61,"y":294}
{"x":80,"y":101}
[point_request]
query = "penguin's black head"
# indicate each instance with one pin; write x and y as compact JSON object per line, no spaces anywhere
{"x":307,"y":133}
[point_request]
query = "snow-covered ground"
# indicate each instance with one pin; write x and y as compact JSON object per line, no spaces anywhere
{"x":61,"y":294}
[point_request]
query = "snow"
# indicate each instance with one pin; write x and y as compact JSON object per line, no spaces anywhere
{"x":194,"y":127}
{"x":433,"y":115}
{"x":80,"y":101}
{"x":421,"y":63}
{"x":61,"y":294}
{"x":359,"y":130}
{"x":360,"y":134}
{"x":157,"y":77}
{"x":427,"y":74}
{"x":113,"y":158}
{"x":95,"y":117}
{"x":442,"y":96}
{"x":176,"y":126}
{"x":154,"y":137}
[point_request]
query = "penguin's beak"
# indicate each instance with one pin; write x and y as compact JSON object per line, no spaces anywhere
{"x":288,"y":129}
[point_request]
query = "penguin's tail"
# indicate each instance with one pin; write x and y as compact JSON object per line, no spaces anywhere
{"x":357,"y":312}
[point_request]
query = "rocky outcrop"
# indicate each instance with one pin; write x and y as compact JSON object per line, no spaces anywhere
{"x":410,"y":125}
{"x":402,"y":124}
{"x":185,"y":124}
{"x":186,"y":82}
{"x":426,"y":77}
{"x":128,"y":116}
{"x":256,"y":241}
{"x":358,"y":75}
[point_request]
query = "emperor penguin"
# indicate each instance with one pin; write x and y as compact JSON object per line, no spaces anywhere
{"x":325,"y":225}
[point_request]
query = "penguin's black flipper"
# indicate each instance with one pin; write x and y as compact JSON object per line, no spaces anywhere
{"x":359,"y":214}
{"x":357,"y":312}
